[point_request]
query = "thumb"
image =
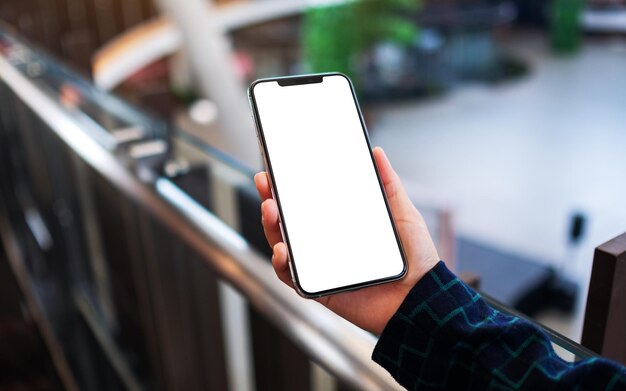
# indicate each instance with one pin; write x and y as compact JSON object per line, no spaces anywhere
{"x":401,"y":206}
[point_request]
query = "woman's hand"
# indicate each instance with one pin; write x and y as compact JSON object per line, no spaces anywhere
{"x":369,"y":308}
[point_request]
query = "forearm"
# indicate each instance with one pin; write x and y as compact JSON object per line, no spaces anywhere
{"x":445,"y":336}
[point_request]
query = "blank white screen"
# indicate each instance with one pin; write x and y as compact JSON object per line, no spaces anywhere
{"x":335,"y":217}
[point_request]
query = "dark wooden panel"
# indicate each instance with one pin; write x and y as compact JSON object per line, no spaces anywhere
{"x":50,"y":23}
{"x":164,"y":304}
{"x":208,"y":333}
{"x":605,"y":317}
{"x":106,"y":20}
{"x":186,"y":307}
{"x":148,"y":9}
{"x":197,"y":184}
{"x":74,"y":29}
{"x":138,"y":263}
{"x":116,"y":216}
{"x":249,"y":207}
{"x":279,"y":365}
{"x":33,"y":161}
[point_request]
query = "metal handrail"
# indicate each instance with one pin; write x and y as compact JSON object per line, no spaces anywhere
{"x":329,"y":340}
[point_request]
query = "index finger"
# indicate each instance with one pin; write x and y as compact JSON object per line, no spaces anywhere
{"x":263,"y":185}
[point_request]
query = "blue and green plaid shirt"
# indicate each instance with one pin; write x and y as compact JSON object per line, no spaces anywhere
{"x":445,"y":336}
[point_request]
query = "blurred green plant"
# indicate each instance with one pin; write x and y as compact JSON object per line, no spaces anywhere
{"x":565,"y":34}
{"x":337,"y":33}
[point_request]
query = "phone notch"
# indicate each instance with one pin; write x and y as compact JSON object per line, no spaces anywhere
{"x":294,"y":81}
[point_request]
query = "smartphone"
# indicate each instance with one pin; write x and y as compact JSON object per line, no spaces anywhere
{"x":333,"y":212}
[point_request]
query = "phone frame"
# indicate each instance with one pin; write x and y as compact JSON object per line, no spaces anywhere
{"x":286,"y":81}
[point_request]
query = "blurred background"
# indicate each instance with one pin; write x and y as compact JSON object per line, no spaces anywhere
{"x":504,"y":118}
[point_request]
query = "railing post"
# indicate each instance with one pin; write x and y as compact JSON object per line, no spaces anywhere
{"x":605,"y":316}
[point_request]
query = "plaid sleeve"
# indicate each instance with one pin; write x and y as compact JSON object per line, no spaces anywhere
{"x":446,"y":337}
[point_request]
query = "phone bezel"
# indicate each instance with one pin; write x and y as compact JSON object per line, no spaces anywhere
{"x":287,"y":81}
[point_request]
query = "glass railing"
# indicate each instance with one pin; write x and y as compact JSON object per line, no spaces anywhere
{"x":142,"y":250}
